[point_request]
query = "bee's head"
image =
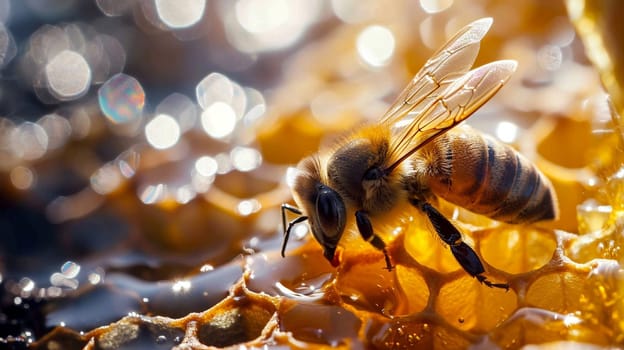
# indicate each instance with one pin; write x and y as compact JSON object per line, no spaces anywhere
{"x":324,"y":207}
{"x":327,"y":219}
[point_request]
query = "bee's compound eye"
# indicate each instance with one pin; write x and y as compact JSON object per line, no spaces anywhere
{"x":331,"y":214}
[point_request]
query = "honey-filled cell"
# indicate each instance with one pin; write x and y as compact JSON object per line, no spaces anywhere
{"x":468,"y":305}
{"x":558,"y":292}
{"x":517,"y":249}
{"x":414,"y":291}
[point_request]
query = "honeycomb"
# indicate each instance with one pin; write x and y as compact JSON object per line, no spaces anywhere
{"x":565,"y":276}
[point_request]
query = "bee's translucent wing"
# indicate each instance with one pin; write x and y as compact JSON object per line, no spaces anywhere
{"x":445,"y":66}
{"x":447,"y":108}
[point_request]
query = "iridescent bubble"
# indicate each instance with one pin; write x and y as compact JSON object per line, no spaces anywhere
{"x":68,"y":75}
{"x":153,"y":193}
{"x":180,"y":13}
{"x":128,"y":162}
{"x":70,"y":269}
{"x":122,"y":99}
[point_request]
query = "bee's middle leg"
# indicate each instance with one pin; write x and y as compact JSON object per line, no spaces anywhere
{"x":465,"y":256}
{"x":366,"y":230}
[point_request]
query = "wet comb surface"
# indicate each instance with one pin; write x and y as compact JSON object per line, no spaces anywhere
{"x":119,"y":234}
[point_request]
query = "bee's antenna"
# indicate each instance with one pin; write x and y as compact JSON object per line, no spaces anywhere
{"x":292,"y":223}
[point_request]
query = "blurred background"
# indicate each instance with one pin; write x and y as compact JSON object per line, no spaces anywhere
{"x":144,"y":144}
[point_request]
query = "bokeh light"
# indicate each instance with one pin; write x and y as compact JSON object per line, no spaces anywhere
{"x":206,"y":166}
{"x":29,"y":141}
{"x":267,"y":25}
{"x":8,"y":49}
{"x":375,"y":45}
{"x":114,"y":7}
{"x":57,"y":128}
{"x":218,"y":120}
{"x":180,"y":13}
{"x":354,"y":11}
{"x":216,"y":87}
{"x":245,"y":158}
{"x":507,"y":131}
{"x":435,"y":6}
{"x":22,"y":177}
{"x":201,"y":183}
{"x":185,"y":194}
{"x":106,"y":179}
{"x":181,"y":108}
{"x":68,"y":75}
{"x":550,"y":57}
{"x":162,"y":131}
{"x":248,"y":207}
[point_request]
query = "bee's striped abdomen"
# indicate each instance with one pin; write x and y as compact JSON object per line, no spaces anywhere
{"x":485,"y":176}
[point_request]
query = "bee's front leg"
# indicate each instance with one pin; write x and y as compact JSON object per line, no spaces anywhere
{"x":366,"y":230}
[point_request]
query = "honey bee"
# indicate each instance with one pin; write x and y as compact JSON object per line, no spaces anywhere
{"x":412,"y":155}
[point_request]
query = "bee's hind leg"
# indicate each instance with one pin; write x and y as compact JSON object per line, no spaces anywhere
{"x":471,"y":263}
{"x":463,"y":253}
{"x":366,"y":230}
